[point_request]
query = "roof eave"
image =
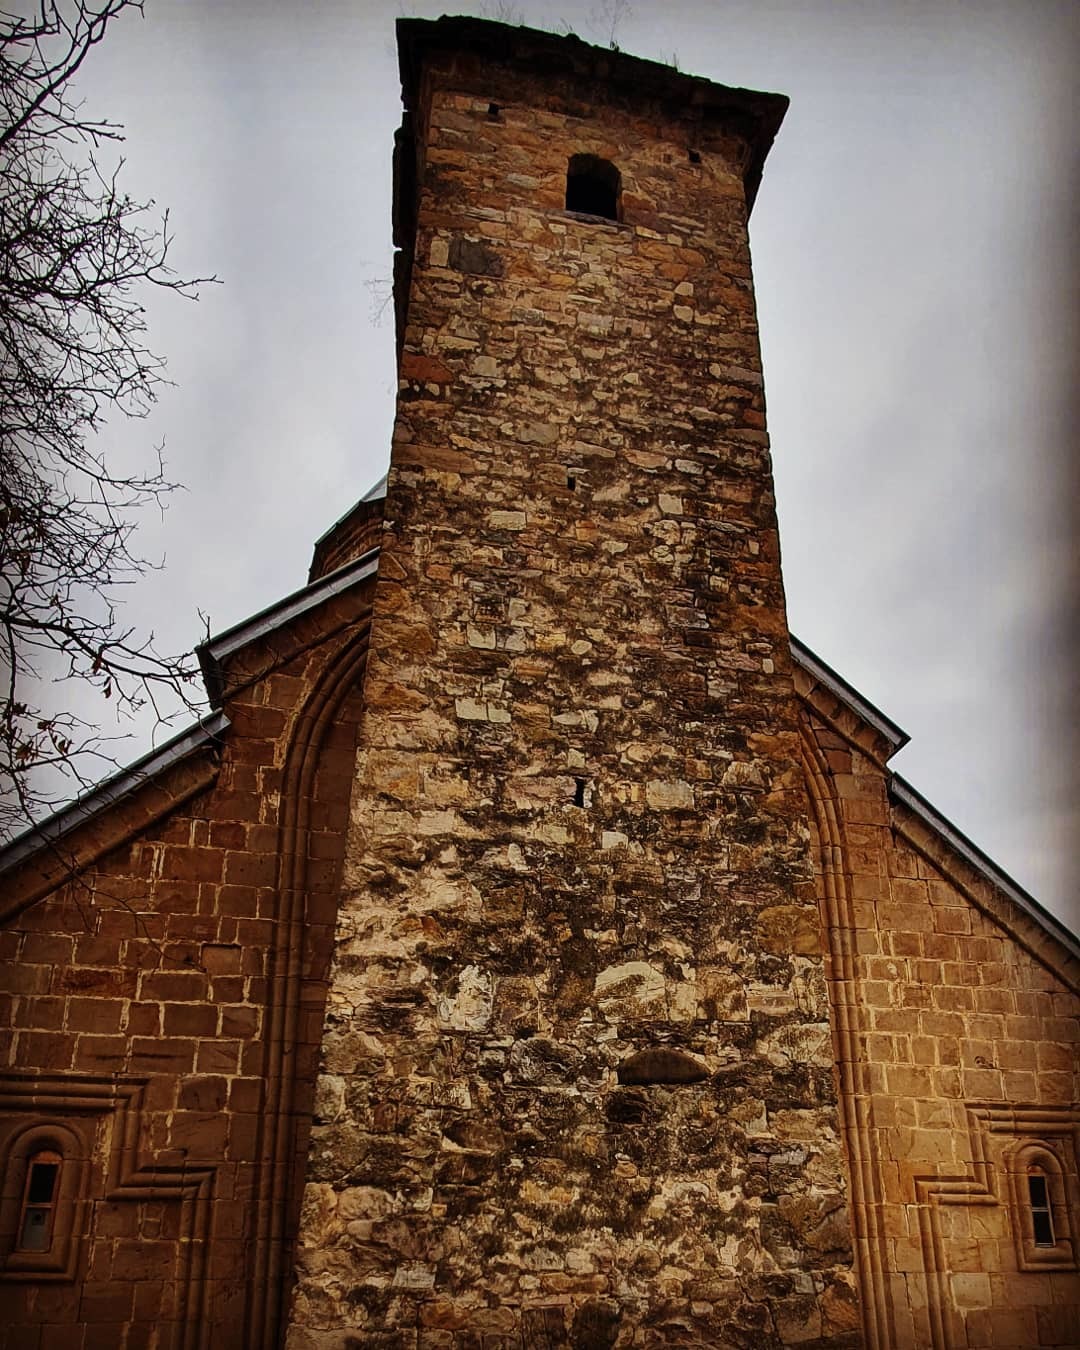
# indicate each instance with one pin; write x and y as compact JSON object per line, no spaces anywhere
{"x":902,"y":791}
{"x":754,"y":115}
{"x":216,"y":650}
{"x":894,"y":736}
{"x":120,"y":785}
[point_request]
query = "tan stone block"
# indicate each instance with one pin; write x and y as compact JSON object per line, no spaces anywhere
{"x":790,"y":929}
{"x":1055,"y":1088}
{"x":669,"y":795}
{"x":953,"y":998}
{"x":908,"y":1081}
{"x":881,"y":994}
{"x":994,"y":1001}
{"x":1019,"y":1086}
{"x":1052,"y":1056}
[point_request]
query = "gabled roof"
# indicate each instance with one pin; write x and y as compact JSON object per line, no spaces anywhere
{"x":894,"y":738}
{"x":902,"y":792}
{"x":207,"y":732}
{"x":880,"y":731}
{"x":112,"y":790}
{"x":883,"y":740}
{"x":216,"y":650}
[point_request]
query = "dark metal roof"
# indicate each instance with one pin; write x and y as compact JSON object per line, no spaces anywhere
{"x":216,"y":650}
{"x":894,"y":736}
{"x":375,"y":493}
{"x":902,"y":791}
{"x":112,"y":790}
{"x":211,"y":654}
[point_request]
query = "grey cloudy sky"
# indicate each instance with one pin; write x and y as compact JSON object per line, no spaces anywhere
{"x":914,"y":271}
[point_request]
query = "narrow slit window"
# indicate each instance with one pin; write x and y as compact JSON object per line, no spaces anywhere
{"x":579,"y":791}
{"x":39,"y":1202}
{"x":593,"y":187}
{"x":1042,"y":1214}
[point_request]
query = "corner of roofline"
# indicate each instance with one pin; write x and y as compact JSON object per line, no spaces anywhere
{"x":212,"y":673}
{"x":213,"y":650}
{"x":902,"y":791}
{"x":894,"y":736}
{"x":126,"y":780}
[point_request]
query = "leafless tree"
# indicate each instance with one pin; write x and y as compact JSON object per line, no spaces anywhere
{"x":76,"y":257}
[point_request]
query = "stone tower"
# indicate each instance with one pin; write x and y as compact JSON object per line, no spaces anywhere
{"x":577,"y":1082}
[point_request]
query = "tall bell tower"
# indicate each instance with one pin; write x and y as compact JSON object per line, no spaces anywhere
{"x":577,"y":1083}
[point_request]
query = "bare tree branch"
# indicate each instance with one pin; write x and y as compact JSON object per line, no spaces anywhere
{"x":76,"y":256}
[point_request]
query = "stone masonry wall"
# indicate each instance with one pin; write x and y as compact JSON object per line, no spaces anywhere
{"x":142,"y":1028}
{"x":970,"y":1025}
{"x":577,"y":1081}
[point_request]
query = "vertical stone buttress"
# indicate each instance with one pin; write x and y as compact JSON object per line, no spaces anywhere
{"x":577,"y":1084}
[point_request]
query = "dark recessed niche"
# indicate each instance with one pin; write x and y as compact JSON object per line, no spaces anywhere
{"x":695,"y":157}
{"x":593,"y":187}
{"x":571,"y":482}
{"x":662,"y":1064}
{"x":493,"y":112}
{"x":628,"y":1106}
{"x":579,"y":791}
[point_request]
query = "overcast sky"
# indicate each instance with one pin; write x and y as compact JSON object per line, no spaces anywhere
{"x":915,"y":284}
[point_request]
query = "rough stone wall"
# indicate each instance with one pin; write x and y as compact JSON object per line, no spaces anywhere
{"x":577,"y":1084}
{"x":969,"y":1022}
{"x":140,"y":1012}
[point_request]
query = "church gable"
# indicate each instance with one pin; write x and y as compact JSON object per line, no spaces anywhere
{"x":163,"y":1005}
{"x":956,"y":1017}
{"x":597,"y":978}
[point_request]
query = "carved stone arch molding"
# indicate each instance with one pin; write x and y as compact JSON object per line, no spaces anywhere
{"x":75,"y":1151}
{"x":1003,"y":1139}
{"x":279,"y":1128}
{"x":837,"y":917}
{"x":96,"y":1123}
{"x":1054,"y":1161}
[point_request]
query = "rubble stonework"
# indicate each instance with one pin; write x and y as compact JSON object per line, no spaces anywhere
{"x":625,"y":886}
{"x":577,"y":1081}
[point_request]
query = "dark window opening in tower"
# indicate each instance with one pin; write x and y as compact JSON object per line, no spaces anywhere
{"x":593,"y":186}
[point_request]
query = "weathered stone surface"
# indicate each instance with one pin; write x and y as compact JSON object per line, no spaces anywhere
{"x":592,"y":971}
{"x":474,"y":257}
{"x":520,"y":923}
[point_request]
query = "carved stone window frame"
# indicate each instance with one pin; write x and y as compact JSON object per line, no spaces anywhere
{"x":60,"y":1260}
{"x":1039,"y":1157}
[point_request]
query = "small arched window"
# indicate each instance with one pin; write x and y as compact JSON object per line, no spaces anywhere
{"x":40,"y":1193}
{"x":593,"y":187}
{"x":43,"y":1171}
{"x":1040,"y":1194}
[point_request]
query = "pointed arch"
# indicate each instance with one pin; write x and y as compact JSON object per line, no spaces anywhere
{"x":280,"y":1121}
{"x":837,"y":917}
